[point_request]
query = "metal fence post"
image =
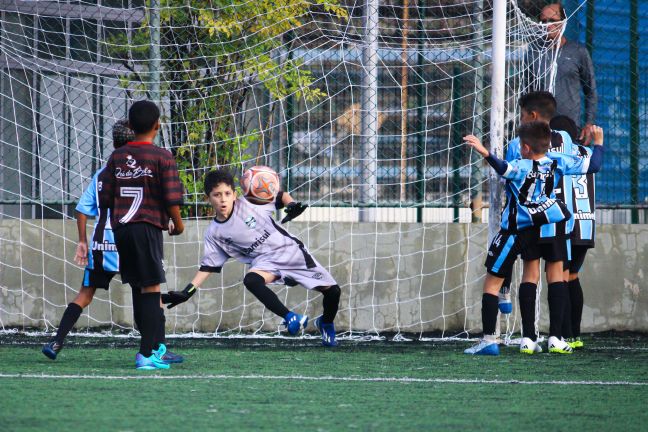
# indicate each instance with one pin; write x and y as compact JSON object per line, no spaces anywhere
{"x":456,"y":140}
{"x":369,"y":122}
{"x":634,"y":110}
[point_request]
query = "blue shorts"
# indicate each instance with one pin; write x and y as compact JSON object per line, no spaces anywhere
{"x":502,"y":253}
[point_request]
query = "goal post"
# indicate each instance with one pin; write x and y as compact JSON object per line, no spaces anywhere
{"x":359,"y":106}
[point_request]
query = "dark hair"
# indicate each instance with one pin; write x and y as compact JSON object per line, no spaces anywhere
{"x":565,"y":123}
{"x":142,"y":116}
{"x":537,"y":135}
{"x":542,"y":102}
{"x":121,"y":133}
{"x":214,"y":178}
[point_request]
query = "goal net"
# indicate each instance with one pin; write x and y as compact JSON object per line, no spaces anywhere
{"x":360,"y":106}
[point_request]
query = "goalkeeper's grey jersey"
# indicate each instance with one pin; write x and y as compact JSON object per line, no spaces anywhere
{"x":252,"y":236}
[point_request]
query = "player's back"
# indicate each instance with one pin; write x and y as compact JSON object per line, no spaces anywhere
{"x":584,"y":197}
{"x":560,"y":143}
{"x":142,"y":181}
{"x":530,"y":196}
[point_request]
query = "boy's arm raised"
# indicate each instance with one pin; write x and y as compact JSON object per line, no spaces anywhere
{"x":498,"y":165}
{"x":293,"y":208}
{"x":577,"y":165}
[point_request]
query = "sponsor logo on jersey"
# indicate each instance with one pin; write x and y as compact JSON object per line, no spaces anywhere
{"x":250,"y":221}
{"x":133,"y":170}
{"x":317,"y":276}
{"x":542,"y":207}
{"x":539,"y":175}
{"x":257,"y":242}
{"x":105,"y":246}
{"x":584,"y":215}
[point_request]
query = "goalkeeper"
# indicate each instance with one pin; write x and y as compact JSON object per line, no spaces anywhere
{"x":248,"y":233}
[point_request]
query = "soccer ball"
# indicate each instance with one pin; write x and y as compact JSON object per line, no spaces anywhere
{"x":260,"y":184}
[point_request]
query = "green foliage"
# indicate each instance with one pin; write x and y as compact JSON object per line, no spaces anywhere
{"x":214,"y":53}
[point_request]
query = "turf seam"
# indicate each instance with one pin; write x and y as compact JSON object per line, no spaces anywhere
{"x":322,"y":378}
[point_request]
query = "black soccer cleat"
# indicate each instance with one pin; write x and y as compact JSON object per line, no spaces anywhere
{"x":51,"y":349}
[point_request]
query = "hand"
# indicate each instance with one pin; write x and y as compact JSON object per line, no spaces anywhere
{"x":586,"y":134}
{"x":293,"y":209}
{"x":597,"y":135}
{"x":475,"y":143}
{"x":81,"y":255}
{"x":176,"y":229}
{"x":174,"y":298}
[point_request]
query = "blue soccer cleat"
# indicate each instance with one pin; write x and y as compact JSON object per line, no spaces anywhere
{"x":167,"y":356}
{"x":149,"y":363}
{"x":484,"y":347}
{"x":294,"y":322}
{"x":159,"y":353}
{"x":504,"y":300}
{"x":51,"y":349}
{"x":327,"y":331}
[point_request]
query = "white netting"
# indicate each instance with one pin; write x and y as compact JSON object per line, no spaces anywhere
{"x":360,"y":108}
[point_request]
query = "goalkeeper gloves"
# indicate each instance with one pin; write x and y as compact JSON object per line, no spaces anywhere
{"x":293,"y":210}
{"x":174,"y":298}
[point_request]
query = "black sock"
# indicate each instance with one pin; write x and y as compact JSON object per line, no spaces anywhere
{"x":576,"y":297}
{"x":330,"y":302}
{"x":489,"y":313}
{"x":160,"y":334}
{"x":567,"y":316}
{"x":137,"y":307}
{"x":70,"y":317}
{"x":256,"y":285}
{"x":557,"y":293}
{"x":527,"y":299}
{"x":150,"y":321}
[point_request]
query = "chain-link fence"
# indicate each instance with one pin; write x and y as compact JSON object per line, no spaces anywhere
{"x":57,"y":124}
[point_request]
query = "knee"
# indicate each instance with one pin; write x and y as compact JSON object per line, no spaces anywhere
{"x":253,"y":281}
{"x":84,"y":298}
{"x":333,"y":292}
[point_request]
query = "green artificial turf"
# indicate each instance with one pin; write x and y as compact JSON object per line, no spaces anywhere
{"x":297,"y":385}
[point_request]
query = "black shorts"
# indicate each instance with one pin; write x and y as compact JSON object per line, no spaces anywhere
{"x":97,"y":278}
{"x":141,"y":250}
{"x":502,"y":253}
{"x":578,"y":253}
{"x":550,"y":249}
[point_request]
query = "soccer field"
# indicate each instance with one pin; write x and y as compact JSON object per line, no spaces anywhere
{"x":260,"y":384}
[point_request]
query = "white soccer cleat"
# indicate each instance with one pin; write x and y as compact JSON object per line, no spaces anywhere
{"x":559,"y":346}
{"x":528,"y":346}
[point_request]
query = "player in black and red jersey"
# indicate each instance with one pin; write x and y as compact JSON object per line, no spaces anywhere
{"x":141,"y":187}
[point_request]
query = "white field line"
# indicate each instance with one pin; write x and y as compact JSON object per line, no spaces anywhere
{"x":317,"y":378}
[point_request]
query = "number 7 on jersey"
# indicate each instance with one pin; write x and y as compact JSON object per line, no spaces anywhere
{"x":137,"y":193}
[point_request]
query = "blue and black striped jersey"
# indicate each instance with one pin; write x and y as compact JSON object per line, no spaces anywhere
{"x":530,"y":190}
{"x":584,"y":215}
{"x":560,"y":143}
{"x":102,"y":252}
